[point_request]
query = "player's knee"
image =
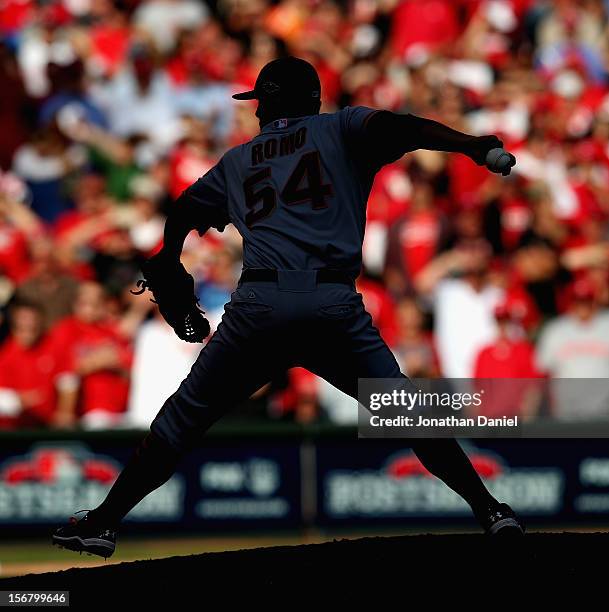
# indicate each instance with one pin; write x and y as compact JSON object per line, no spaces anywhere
{"x":183,"y":420}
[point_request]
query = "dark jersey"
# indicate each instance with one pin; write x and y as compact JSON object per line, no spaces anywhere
{"x":297,"y":192}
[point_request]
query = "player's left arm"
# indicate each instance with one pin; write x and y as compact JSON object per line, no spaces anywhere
{"x":181,"y":220}
{"x":392,"y":135}
{"x":202,"y":206}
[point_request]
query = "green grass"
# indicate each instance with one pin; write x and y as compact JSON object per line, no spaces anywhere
{"x":21,"y":557}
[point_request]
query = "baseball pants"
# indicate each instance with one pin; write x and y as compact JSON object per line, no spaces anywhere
{"x":267,"y":328}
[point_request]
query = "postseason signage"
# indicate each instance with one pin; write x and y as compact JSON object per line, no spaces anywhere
{"x":47,"y":482}
{"x":335,"y":480}
{"x":392,"y":486}
{"x":381,"y":482}
{"x":217,"y":488}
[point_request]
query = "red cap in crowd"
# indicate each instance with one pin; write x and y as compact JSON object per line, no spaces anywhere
{"x":582,"y":289}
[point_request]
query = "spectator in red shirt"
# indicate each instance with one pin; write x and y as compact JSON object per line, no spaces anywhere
{"x":390,"y":194}
{"x":28,"y":371}
{"x":110,"y":38}
{"x":509,"y":356}
{"x":191,"y":158}
{"x":87,"y":225}
{"x":17,"y":225}
{"x":97,"y":356}
{"x":380,"y":305}
{"x":414,"y":239}
{"x":299,"y":400}
{"x":14,"y":261}
{"x":423,"y":26}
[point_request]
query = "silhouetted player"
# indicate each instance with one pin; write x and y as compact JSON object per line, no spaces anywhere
{"x":297,"y":193}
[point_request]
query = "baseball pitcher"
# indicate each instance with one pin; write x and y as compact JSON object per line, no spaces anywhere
{"x":297,"y":193}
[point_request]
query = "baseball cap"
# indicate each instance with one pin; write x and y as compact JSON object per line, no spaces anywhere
{"x":514,"y":308}
{"x":286,"y":77}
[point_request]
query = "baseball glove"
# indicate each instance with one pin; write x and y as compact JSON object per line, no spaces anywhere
{"x":173,"y":290}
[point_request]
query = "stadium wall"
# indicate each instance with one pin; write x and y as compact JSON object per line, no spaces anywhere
{"x":284,"y":477}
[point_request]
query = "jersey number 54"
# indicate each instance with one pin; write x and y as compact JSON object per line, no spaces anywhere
{"x":305,"y":184}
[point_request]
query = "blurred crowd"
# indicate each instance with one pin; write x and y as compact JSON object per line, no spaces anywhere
{"x":109,"y":109}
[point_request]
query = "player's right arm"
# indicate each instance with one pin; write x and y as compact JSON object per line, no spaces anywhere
{"x":386,"y":136}
{"x":201,"y":206}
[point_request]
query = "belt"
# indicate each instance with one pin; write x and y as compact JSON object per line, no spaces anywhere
{"x":324,"y":275}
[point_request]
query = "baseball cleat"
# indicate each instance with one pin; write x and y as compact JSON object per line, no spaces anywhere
{"x":501,"y":521}
{"x":82,"y":535}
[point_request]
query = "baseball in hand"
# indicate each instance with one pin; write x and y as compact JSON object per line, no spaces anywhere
{"x":499,"y":160}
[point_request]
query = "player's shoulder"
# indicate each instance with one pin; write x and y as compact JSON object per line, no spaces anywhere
{"x":232,"y":156}
{"x":349,"y":111}
{"x":355,"y":118}
{"x":349,"y":117}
